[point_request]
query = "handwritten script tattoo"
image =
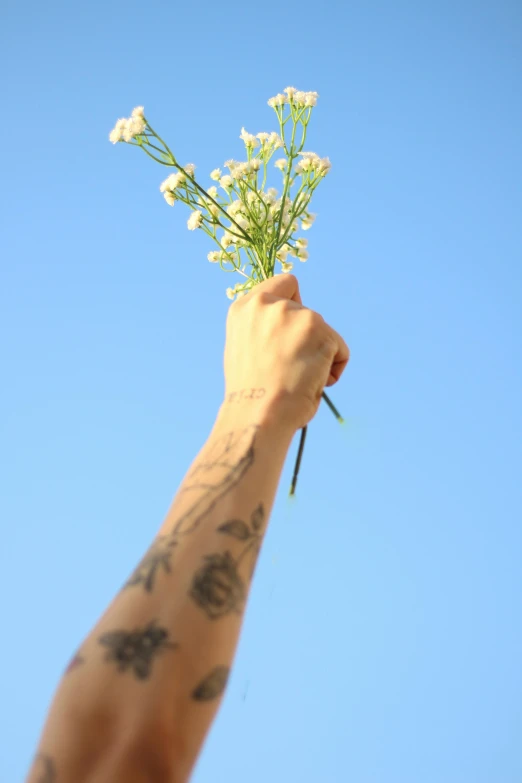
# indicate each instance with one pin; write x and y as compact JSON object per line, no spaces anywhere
{"x":222,"y":468}
{"x":74,"y":663}
{"x":213,"y":685}
{"x":136,"y":650}
{"x":155,"y":560}
{"x":246,"y":394}
{"x":217,"y":587}
{"x":44,"y":769}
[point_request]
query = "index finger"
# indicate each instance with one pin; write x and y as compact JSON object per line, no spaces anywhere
{"x":340,"y":359}
{"x":283,"y":286}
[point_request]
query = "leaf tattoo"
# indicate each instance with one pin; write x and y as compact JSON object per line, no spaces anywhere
{"x":136,"y":650}
{"x":258,"y":517}
{"x":155,"y":560}
{"x":236,"y":528}
{"x":213,"y":685}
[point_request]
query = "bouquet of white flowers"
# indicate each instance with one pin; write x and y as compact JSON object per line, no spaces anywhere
{"x":253,"y":227}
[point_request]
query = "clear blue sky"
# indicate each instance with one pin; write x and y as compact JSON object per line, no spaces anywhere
{"x":383,"y":641}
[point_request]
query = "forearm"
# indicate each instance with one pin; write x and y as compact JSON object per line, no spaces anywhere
{"x":149,"y":677}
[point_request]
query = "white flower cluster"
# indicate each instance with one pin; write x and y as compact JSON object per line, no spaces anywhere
{"x":293,"y":97}
{"x":174,"y":181}
{"x":253,"y":226}
{"x":127,"y":129}
{"x":313,"y":163}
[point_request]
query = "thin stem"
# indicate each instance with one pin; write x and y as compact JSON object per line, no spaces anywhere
{"x":298,"y":460}
{"x":333,"y":408}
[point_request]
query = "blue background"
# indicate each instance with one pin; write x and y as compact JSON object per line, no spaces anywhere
{"x":383,"y":641}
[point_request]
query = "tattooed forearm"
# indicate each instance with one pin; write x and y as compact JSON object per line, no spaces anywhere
{"x":156,"y":559}
{"x":74,"y":663}
{"x":223,"y":467}
{"x":43,"y":770}
{"x":213,"y":685}
{"x":136,"y":650}
{"x":246,"y":394}
{"x":218,"y":587}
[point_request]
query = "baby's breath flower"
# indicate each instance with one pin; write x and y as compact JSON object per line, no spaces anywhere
{"x":282,"y":253}
{"x":170,"y":198}
{"x":215,"y":174}
{"x":249,"y":139}
{"x":235,"y":207}
{"x":301,"y":243}
{"x":324,"y":166}
{"x":275,"y":140}
{"x":231,"y":163}
{"x":172,"y":182}
{"x":312,"y":155}
{"x":255,"y":164}
{"x":241,"y":221}
{"x":281,"y":164}
{"x":226,"y":181}
{"x":116,"y":133}
{"x":133,"y":127}
{"x":278,"y":100}
{"x":239,"y":171}
{"x":311,"y":98}
{"x":213,"y":256}
{"x":139,"y":111}
{"x":286,"y":266}
{"x":263,"y":138}
{"x":302,"y":255}
{"x":194,"y":220}
{"x":307,"y":220}
{"x":231,"y":293}
{"x":290,"y":91}
{"x":190,"y":169}
{"x":226,"y":240}
{"x":212,"y":191}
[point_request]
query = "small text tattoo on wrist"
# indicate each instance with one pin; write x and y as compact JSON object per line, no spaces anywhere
{"x":212,"y":685}
{"x":136,"y":650}
{"x":246,"y":394}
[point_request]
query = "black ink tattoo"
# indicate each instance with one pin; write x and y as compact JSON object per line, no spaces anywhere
{"x":76,"y":661}
{"x":213,"y":685}
{"x":45,"y":769}
{"x":223,"y":467}
{"x":136,"y":650}
{"x":246,"y":394}
{"x":155,"y":560}
{"x":243,"y":532}
{"x":217,"y":586}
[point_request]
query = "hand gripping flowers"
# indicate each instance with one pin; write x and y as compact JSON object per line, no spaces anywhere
{"x":254,"y":226}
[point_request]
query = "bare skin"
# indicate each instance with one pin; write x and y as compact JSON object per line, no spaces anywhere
{"x":139,"y":696}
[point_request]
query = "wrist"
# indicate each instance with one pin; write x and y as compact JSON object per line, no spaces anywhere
{"x":254,"y":406}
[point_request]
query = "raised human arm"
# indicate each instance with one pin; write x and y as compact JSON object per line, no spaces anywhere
{"x":138,"y":698}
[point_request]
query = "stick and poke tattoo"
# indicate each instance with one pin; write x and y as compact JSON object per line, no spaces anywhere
{"x":219,"y":586}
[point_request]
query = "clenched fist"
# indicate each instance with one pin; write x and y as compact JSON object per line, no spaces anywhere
{"x":279,"y":354}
